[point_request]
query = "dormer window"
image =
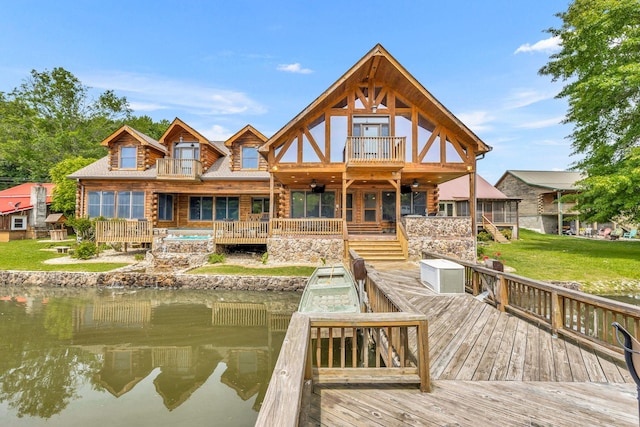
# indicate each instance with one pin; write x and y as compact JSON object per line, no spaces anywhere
{"x":128,"y":157}
{"x":249,"y":158}
{"x":187,"y":150}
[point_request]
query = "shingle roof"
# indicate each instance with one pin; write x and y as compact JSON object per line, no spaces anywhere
{"x":555,"y":180}
{"x":100,"y":169}
{"x":458,"y":189}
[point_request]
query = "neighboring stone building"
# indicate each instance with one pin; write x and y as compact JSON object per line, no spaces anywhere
{"x":540,"y":192}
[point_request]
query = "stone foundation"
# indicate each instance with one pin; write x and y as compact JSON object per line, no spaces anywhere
{"x":309,"y":250}
{"x":450,"y":236}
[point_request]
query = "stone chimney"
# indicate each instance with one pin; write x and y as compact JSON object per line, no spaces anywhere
{"x":39,"y":203}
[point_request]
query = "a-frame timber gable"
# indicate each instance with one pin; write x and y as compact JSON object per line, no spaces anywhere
{"x":130,"y":149}
{"x":243,"y":149}
{"x":417,"y":135}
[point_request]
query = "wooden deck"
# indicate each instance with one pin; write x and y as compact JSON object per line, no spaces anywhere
{"x":487,"y":368}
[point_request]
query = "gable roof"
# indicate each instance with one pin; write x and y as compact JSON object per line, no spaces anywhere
{"x":139,"y":136}
{"x":248,"y":128}
{"x":201,"y":139}
{"x":18,"y":198}
{"x":458,"y":189}
{"x":554,"y":180}
{"x":379,"y":64}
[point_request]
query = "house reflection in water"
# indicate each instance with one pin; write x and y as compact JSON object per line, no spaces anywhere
{"x":184,"y":340}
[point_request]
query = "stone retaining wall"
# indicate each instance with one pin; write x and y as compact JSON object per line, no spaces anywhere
{"x":449,"y":236}
{"x":306,"y":249}
{"x":145,"y":280}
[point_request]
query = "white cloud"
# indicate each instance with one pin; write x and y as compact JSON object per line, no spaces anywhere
{"x":217,"y":133}
{"x":476,"y":120}
{"x":524,"y":97}
{"x":152,"y":92}
{"x":539,"y":124}
{"x":550,"y":45}
{"x":294,"y":68}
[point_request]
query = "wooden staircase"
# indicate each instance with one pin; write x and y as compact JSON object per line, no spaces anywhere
{"x":378,"y":249}
{"x":494,"y":231}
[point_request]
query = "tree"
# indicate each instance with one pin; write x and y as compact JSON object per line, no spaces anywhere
{"x":51,"y":117}
{"x":64,"y":193}
{"x":599,"y":61}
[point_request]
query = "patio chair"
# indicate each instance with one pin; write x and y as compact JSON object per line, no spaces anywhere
{"x":616,"y":234}
{"x":631,"y":348}
{"x":604,"y":232}
{"x":630,"y":234}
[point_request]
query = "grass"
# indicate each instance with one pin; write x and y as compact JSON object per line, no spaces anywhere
{"x":565,"y":258}
{"x":30,"y":255}
{"x":239,"y":270}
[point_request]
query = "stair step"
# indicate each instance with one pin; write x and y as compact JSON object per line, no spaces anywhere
{"x":378,"y":250}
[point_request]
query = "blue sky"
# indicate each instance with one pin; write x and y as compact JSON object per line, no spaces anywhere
{"x":219,"y":65}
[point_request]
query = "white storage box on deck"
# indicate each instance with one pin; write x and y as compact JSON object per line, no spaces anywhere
{"x":445,"y":277}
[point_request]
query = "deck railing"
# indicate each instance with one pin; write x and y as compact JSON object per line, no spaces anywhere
{"x":241,"y":232}
{"x":578,"y":315}
{"x":178,"y":168}
{"x":306,"y":226}
{"x":124,"y":231}
{"x":326,"y":348}
{"x":369,"y":150}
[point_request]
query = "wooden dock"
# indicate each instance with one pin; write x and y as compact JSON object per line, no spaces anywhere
{"x":488,"y":368}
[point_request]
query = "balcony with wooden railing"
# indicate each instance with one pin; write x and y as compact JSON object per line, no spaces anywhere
{"x":381,"y":151}
{"x":123,"y":231}
{"x":184,"y":169}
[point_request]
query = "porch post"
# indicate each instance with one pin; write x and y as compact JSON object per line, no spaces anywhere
{"x":473,"y":204}
{"x":271,"y":186}
{"x":345,"y":232}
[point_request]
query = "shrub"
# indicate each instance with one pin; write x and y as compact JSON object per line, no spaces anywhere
{"x":265,"y":257}
{"x":506,"y":233}
{"x":138,"y":257}
{"x":217,"y":258}
{"x":483,"y":236}
{"x":480,"y":251}
{"x":85,"y":250}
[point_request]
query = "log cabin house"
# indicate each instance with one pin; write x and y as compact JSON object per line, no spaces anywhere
{"x":358,"y":168}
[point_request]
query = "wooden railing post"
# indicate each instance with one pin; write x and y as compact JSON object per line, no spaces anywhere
{"x":423,"y":354}
{"x":557,"y":313}
{"x":504,"y":292}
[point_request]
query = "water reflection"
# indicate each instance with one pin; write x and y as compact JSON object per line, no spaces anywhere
{"x":60,"y":350}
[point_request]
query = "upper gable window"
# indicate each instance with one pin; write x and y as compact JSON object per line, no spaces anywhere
{"x":128,"y":157}
{"x":249,"y":158}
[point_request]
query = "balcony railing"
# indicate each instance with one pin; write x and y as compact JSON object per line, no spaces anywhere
{"x":241,"y":232}
{"x":178,"y":168}
{"x":375,"y":151}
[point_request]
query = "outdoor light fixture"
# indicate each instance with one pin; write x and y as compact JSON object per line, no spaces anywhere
{"x":313,"y":183}
{"x":415,"y":183}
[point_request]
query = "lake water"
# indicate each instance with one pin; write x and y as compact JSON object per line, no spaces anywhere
{"x":146,"y":358}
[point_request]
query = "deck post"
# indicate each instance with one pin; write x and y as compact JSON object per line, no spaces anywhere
{"x":504,"y":292}
{"x":556,"y":313}
{"x":423,"y":354}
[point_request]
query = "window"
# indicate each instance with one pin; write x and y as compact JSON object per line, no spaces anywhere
{"x":109,"y":204}
{"x":130,"y":204}
{"x":349,"y":207}
{"x":462,"y":208}
{"x":200,"y":208}
{"x":128,"y":157}
{"x":414,"y":203}
{"x":18,"y":222}
{"x":306,"y":204}
{"x":259,"y":205}
{"x":102,"y":203}
{"x":227,"y":208}
{"x":165,"y":207}
{"x":445,"y":209}
{"x":249,"y":158}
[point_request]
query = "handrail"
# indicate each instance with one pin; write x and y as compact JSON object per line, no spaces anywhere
{"x":237,"y":232}
{"x":401,"y":233}
{"x":178,"y":168}
{"x":307,"y":226}
{"x":123,"y":231}
{"x":373,"y":150}
{"x":578,"y":315}
{"x":401,"y":356}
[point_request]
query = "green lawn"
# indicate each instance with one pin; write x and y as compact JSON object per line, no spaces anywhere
{"x":239,"y":270}
{"x":566,"y":258}
{"x":31,"y":254}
